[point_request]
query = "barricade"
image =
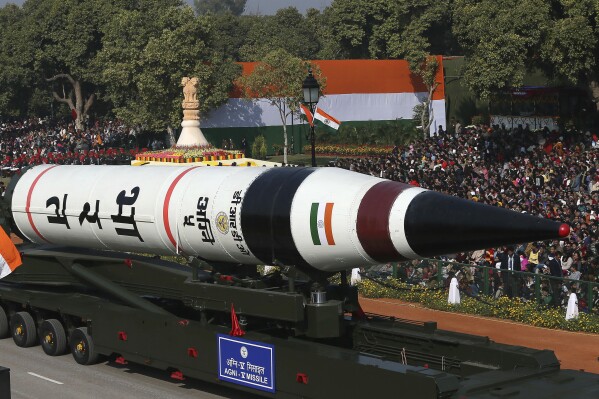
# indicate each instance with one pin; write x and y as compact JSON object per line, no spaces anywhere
{"x":484,"y":279}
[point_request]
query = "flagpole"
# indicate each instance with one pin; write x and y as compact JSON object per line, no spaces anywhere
{"x":311,"y":90}
{"x":313,"y":143}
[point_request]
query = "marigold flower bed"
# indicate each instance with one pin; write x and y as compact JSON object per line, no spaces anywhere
{"x":189,"y":154}
{"x":349,"y":150}
{"x":505,"y":308}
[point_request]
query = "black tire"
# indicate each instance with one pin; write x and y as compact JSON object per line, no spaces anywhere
{"x":53,"y":337}
{"x":4,"y":327}
{"x":82,"y":347}
{"x":23,"y":329}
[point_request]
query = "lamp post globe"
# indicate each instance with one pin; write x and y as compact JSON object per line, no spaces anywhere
{"x":311,"y":90}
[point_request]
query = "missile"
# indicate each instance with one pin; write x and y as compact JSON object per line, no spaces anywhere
{"x":328,"y":219}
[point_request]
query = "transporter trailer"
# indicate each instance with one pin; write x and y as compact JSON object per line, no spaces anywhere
{"x":287,"y":334}
{"x":257,"y":334}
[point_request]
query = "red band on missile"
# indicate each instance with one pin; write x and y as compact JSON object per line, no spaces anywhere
{"x":373,"y":221}
{"x":165,"y":206}
{"x":28,"y":204}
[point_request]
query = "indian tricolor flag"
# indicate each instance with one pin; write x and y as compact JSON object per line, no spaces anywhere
{"x":320,"y":223}
{"x":307,"y":113}
{"x":10,"y":258}
{"x":327,"y":119}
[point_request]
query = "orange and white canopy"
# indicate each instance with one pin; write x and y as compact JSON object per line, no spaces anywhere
{"x":356,"y":90}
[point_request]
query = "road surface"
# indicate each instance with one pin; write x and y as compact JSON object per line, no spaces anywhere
{"x":34,"y":375}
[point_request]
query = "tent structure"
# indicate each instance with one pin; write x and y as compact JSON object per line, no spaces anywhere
{"x":357,"y":91}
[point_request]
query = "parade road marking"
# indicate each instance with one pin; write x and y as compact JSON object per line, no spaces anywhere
{"x":45,"y":378}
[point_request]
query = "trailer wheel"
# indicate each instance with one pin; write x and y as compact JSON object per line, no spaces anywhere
{"x":53,"y":338}
{"x":4,"y":328}
{"x":23,"y":330}
{"x":82,"y":347}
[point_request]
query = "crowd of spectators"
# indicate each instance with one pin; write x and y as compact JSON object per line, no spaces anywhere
{"x":543,"y":173}
{"x":37,"y":141}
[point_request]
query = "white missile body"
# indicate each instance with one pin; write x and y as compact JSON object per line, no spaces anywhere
{"x":327,"y":218}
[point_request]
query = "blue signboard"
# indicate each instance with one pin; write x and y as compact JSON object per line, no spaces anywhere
{"x":246,"y":363}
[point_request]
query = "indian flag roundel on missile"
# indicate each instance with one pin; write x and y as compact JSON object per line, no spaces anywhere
{"x":320,"y":223}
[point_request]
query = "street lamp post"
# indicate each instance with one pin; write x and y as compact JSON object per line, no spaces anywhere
{"x":311,"y":90}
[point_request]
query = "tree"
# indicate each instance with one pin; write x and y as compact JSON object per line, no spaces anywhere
{"x":350,"y":24}
{"x":287,"y":29}
{"x":15,"y":63}
{"x":571,"y":47}
{"x":147,"y":50}
{"x":277,"y":80}
{"x":415,"y":20}
{"x":404,"y":29}
{"x":235,"y":7}
{"x":380,"y":29}
{"x":65,"y":36}
{"x":228,"y":32}
{"x":424,"y":111}
{"x":498,"y":38}
{"x":504,"y":39}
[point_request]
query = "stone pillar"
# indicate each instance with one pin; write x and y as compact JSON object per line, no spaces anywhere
{"x":191,"y":135}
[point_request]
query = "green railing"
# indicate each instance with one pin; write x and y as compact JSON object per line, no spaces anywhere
{"x":482,"y":278}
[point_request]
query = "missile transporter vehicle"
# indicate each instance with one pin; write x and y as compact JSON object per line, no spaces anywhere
{"x":84,"y":288}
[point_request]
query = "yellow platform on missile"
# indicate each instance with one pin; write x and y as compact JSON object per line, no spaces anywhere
{"x":224,"y":162}
{"x":198,"y":156}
